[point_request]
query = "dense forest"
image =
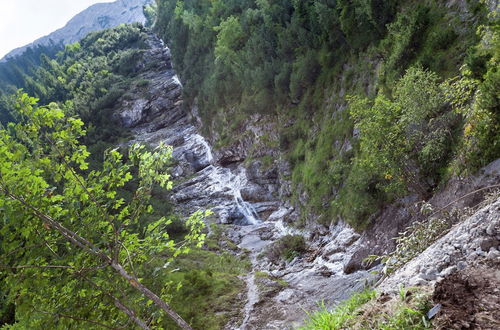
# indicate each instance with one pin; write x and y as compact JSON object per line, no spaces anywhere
{"x":371,"y":100}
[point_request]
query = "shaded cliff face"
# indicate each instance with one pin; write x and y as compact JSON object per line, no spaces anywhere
{"x":96,"y":17}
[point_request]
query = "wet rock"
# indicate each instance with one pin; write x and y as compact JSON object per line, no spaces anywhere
{"x":280,"y":213}
{"x":324,"y":271}
{"x":255,"y":193}
{"x":235,"y":216}
{"x":332,"y":249}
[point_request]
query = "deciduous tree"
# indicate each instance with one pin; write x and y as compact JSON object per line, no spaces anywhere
{"x":71,"y":246}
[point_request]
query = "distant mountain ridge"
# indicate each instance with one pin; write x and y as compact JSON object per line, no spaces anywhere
{"x":97,"y":17}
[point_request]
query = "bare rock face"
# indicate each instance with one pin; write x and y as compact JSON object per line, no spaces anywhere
{"x":474,"y":239}
{"x":97,"y":17}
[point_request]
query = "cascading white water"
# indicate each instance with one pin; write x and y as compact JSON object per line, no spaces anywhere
{"x":205,"y":185}
{"x":249,"y":213}
{"x":201,"y":140}
{"x":223,"y":179}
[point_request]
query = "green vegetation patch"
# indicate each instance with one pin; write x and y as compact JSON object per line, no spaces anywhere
{"x":299,"y":60}
{"x":286,"y":248}
{"x":367,"y":310}
{"x":210,"y":287}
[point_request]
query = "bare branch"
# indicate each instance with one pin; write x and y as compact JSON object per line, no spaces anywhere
{"x":53,"y":267}
{"x":464,"y":196}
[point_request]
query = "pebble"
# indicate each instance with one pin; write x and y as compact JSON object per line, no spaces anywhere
{"x":446,"y":259}
{"x":430,"y":275}
{"x":419,"y":282}
{"x":488,"y":243}
{"x":493,"y":255}
{"x":491,"y":230}
{"x":461,"y":265}
{"x":448,"y":271}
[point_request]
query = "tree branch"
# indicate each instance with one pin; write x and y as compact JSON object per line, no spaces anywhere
{"x":130,"y":313}
{"x":53,"y":267}
{"x":462,"y":197}
{"x":93,"y":250}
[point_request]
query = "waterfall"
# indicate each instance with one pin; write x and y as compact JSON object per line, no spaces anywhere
{"x":224,"y":179}
{"x":247,"y":210}
{"x":201,"y":140}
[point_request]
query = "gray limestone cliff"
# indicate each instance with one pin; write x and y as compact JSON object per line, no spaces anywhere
{"x":97,"y":17}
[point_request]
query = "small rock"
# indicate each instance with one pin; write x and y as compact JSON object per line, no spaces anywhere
{"x":447,"y":259}
{"x":481,"y":253}
{"x":324,"y":271}
{"x":461,"y":265}
{"x":493,"y":254}
{"x":491,"y":229}
{"x":488,"y":243}
{"x":430,"y":275}
{"x":419,"y":281}
{"x":448,"y":271}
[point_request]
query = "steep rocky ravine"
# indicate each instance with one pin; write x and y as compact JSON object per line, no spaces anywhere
{"x":245,"y":197}
{"x":203,"y":183}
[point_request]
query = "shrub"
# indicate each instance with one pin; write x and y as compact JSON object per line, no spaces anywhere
{"x":141,"y":83}
{"x":126,"y":63}
{"x":286,"y":248}
{"x":305,"y":71}
{"x":404,"y":37}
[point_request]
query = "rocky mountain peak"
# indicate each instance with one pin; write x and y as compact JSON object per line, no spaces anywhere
{"x":97,"y":17}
